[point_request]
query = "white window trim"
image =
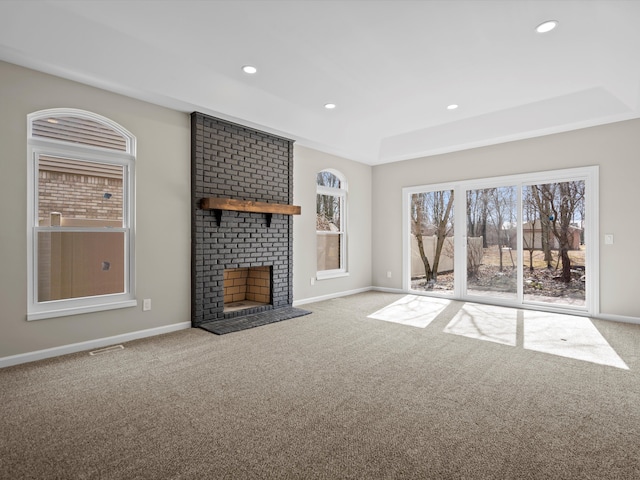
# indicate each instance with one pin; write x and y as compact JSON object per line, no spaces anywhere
{"x":590,"y":176}
{"x":39,"y":146}
{"x":329,"y":274}
{"x":342,"y":194}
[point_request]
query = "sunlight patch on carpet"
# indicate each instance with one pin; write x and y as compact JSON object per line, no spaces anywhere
{"x":412,"y":310}
{"x":485,"y":322}
{"x":552,"y":333}
{"x":568,"y":336}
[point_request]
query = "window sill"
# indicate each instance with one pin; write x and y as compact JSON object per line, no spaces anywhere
{"x":42,"y":315}
{"x":326,"y":275}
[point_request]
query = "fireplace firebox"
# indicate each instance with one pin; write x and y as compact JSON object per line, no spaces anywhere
{"x":246,"y":288}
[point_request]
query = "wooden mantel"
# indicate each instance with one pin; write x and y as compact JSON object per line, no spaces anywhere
{"x":214,"y":203}
{"x":220,"y":204}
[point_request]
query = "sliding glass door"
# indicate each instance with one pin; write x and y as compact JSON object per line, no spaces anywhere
{"x":554,"y":243}
{"x":519,"y":240}
{"x":432,"y":240}
{"x":492,"y":240}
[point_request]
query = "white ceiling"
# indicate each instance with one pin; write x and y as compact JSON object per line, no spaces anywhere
{"x":392,"y":67}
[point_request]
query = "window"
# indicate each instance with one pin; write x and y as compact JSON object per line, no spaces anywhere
{"x":331,"y":197}
{"x":80,"y":204}
{"x":528,"y":240}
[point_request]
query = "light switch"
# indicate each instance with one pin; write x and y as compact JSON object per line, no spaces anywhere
{"x":608,"y":239}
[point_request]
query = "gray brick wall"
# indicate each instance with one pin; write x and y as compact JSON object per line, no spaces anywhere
{"x":233,"y":161}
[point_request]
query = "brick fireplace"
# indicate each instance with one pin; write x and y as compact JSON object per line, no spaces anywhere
{"x":241,"y":179}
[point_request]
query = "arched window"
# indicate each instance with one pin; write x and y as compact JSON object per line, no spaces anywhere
{"x":80,"y":213}
{"x":331,"y":222}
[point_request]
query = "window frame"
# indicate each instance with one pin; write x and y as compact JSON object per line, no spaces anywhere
{"x":590,"y":175}
{"x":40,"y":146}
{"x":341,"y":193}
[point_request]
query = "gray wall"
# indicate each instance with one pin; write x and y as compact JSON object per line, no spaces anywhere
{"x":162,"y":223}
{"x":307,"y":163}
{"x":614,"y":147}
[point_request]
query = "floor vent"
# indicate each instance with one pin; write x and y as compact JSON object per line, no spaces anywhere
{"x":112,"y":348}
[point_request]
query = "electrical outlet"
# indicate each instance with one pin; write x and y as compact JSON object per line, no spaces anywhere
{"x":313,"y":280}
{"x":389,"y":274}
{"x":146,"y":304}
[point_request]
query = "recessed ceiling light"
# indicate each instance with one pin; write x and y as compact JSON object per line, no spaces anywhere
{"x":250,"y":69}
{"x":453,"y":106}
{"x":547,"y":26}
{"x":329,"y":106}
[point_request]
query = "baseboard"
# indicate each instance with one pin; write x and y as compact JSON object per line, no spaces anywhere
{"x":617,"y":318}
{"x":89,"y":345}
{"x":388,"y":290}
{"x":330,"y":296}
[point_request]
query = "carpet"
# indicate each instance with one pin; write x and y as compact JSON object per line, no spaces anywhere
{"x":332,"y":396}
{"x":237,"y":324}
